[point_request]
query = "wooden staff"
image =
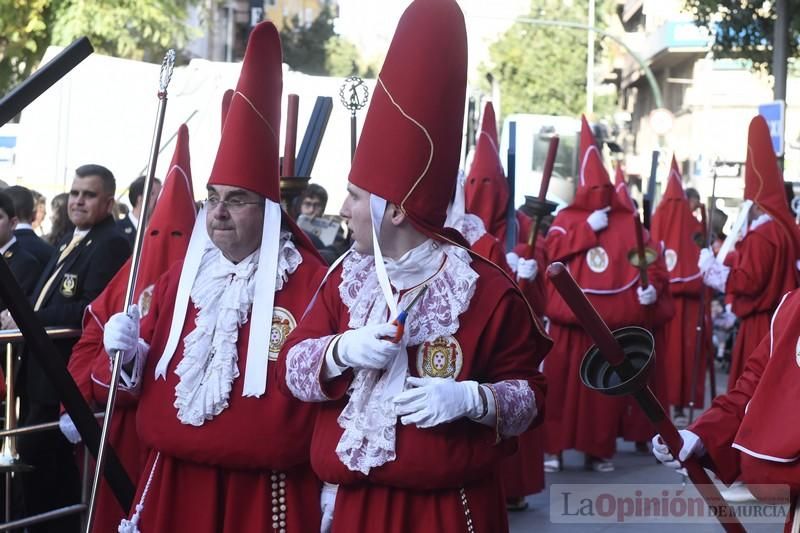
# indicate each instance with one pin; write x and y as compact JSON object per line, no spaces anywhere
{"x":640,"y":252}
{"x":291,"y":135}
{"x":612,"y":352}
{"x":547,"y":172}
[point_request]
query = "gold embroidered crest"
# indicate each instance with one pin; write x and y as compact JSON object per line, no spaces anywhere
{"x":671,"y":258}
{"x":441,"y":358}
{"x":597,"y":259}
{"x":68,"y":285}
{"x":8,"y":254}
{"x":145,"y":299}
{"x":282,"y":324}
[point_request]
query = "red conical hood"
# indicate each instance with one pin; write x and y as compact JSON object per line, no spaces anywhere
{"x":674,"y":185}
{"x":226,"y":104}
{"x":594,"y":186}
{"x":623,"y":194}
{"x":486,"y":188}
{"x":409,"y":149}
{"x":165,"y":240}
{"x":174,"y":215}
{"x":248,"y":151}
{"x":763,"y":180}
{"x":674,"y":224}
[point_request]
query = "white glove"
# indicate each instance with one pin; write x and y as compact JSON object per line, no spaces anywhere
{"x":122,"y":334}
{"x":67,"y":427}
{"x":646,"y":296}
{"x":436,"y":401}
{"x":327,"y":501}
{"x":365,"y":348}
{"x":512,"y":259}
{"x":598,"y":220}
{"x":692,"y":446}
{"x":527,"y":269}
{"x":706,"y":260}
{"x":715,"y":275}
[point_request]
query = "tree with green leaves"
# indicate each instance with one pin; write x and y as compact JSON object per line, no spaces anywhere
{"x":133,"y":29}
{"x":542,"y":69}
{"x":304,"y":47}
{"x":745,"y":30}
{"x":343,"y":59}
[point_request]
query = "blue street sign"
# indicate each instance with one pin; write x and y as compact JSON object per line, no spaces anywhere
{"x":775,"y":115}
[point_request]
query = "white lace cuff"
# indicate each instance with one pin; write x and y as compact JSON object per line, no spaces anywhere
{"x":716,"y":276}
{"x":515,"y":406}
{"x":304,"y":363}
{"x":131,"y":382}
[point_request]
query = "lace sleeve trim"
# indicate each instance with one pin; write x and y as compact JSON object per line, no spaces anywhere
{"x":516,"y":406}
{"x":303,"y":366}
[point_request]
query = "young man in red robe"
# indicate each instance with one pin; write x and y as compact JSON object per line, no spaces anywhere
{"x":763,"y":267}
{"x":748,"y":434}
{"x":413,"y":431}
{"x":593,"y":237}
{"x":682,"y":235}
{"x":165,"y":242}
{"x":227,"y":452}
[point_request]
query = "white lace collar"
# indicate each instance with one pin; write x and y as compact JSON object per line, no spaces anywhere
{"x":415,"y":266}
{"x":761,"y":219}
{"x":368,"y":419}
{"x":470,"y":226}
{"x":223,"y":295}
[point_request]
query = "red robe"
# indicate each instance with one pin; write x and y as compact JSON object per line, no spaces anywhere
{"x":762,"y":271}
{"x":226,"y":475}
{"x":749,"y":423}
{"x":441,"y":474}
{"x":89,"y":366}
{"x":578,"y":417}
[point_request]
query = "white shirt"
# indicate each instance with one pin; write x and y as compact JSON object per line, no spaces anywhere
{"x":7,"y":245}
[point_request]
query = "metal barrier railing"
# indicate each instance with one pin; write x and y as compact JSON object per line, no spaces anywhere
{"x":9,"y":458}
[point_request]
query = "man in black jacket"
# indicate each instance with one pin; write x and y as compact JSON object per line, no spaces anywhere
{"x":26,"y":237}
{"x":84,"y":263}
{"x":23,"y":264}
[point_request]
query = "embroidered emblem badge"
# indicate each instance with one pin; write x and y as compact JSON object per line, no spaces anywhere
{"x":68,"y":285}
{"x":9,"y":254}
{"x":597,"y":259}
{"x":145,"y":299}
{"x":441,"y":358}
{"x":671,"y":257}
{"x":282,"y":324}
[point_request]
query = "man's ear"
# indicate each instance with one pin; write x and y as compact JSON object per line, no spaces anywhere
{"x":13,"y":221}
{"x":396,"y":215}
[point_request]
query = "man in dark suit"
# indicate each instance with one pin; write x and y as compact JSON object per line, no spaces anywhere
{"x":84,"y":263}
{"x":129,"y":224}
{"x":23,"y":265}
{"x":26,"y":237}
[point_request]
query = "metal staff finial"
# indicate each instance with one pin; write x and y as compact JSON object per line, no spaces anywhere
{"x":165,"y":76}
{"x":354,"y":95}
{"x":167,"y":67}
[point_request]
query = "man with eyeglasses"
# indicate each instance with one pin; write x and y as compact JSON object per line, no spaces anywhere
{"x":227,"y":452}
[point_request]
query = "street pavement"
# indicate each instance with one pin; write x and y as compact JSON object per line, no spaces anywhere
{"x":632,"y":468}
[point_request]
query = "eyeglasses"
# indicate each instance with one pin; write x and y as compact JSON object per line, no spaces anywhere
{"x":233,"y":205}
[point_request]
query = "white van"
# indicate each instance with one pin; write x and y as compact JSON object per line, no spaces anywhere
{"x":533,"y":140}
